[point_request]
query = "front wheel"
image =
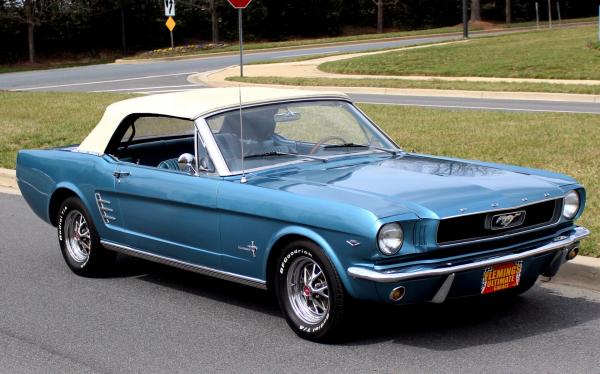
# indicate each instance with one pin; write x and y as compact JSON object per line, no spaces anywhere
{"x":79,"y":241}
{"x":310,"y":292}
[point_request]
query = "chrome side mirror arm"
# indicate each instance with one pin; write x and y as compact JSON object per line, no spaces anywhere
{"x":186,"y":163}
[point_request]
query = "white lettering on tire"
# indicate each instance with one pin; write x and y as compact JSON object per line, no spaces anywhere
{"x":289,"y":255}
{"x":60,"y":222}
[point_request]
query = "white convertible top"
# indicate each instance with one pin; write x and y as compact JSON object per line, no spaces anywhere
{"x":189,"y":105}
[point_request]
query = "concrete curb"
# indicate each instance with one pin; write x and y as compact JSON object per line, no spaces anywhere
{"x":8,"y":179}
{"x":318,"y":45}
{"x":581,"y":272}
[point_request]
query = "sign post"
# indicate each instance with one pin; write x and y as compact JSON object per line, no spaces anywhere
{"x":171,"y":25}
{"x":239,"y":5}
{"x":170,"y":12}
{"x":465,"y":17}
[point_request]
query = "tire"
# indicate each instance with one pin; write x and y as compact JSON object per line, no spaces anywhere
{"x":315,"y":309}
{"x":79,"y":241}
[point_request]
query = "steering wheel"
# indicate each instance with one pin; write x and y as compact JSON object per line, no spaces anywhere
{"x":326,"y":139}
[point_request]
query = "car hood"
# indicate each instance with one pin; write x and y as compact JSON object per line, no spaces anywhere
{"x":427,"y":186}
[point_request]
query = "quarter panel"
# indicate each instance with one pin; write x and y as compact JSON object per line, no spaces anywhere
{"x":42,"y":172}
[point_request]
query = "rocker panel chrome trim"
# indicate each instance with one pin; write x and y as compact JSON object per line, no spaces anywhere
{"x":396,"y":276}
{"x":248,"y":281}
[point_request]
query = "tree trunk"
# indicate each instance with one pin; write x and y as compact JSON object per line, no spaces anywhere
{"x":28,"y":7}
{"x":379,"y":16}
{"x":507,"y":11}
{"x":214,"y":17}
{"x":123,"y":35}
{"x":31,"y":41}
{"x":475,"y":10}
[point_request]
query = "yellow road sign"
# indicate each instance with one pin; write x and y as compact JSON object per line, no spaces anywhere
{"x":170,"y":23}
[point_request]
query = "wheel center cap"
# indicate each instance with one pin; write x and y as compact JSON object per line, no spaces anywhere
{"x":306,"y":291}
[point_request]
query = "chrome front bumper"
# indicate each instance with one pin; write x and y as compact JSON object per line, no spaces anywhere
{"x":558,"y":244}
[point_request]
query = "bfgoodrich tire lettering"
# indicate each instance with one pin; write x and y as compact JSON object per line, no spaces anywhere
{"x":309,"y":292}
{"x":79,"y":241}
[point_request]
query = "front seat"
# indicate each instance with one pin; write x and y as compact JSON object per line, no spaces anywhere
{"x":171,"y":164}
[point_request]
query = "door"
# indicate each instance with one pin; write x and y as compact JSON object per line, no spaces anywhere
{"x":162,"y":209}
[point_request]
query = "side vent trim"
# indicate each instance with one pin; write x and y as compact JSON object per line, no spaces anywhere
{"x":104,"y":209}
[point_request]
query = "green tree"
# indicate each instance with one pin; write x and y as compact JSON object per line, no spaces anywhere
{"x":32,"y":13}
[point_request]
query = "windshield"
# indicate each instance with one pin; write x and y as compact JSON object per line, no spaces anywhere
{"x":307,"y":130}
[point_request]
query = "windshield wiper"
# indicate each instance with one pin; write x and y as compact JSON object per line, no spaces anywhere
{"x":267,"y":154}
{"x":394,"y":152}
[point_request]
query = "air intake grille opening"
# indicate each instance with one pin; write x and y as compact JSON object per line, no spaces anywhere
{"x":477,"y":226}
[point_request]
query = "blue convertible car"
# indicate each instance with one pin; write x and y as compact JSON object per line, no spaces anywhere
{"x":298,"y":192}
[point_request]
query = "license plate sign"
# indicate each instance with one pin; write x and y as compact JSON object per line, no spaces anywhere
{"x":501,"y":277}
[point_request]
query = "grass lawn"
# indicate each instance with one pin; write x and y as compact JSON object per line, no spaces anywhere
{"x":39,"y":120}
{"x":433,"y":84}
{"x":560,"y":142}
{"x":553,"y":54}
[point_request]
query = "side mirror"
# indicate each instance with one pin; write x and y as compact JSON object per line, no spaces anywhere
{"x":203,"y":164}
{"x":186,"y":163}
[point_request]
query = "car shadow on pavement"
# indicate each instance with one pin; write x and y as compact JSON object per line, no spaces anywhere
{"x":464,"y":323}
{"x":454,"y":325}
{"x":198,"y":285}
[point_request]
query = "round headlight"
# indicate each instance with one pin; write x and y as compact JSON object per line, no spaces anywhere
{"x":390,"y":238}
{"x":571,"y":204}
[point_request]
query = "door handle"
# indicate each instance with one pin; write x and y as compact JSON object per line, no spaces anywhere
{"x":118,"y":174}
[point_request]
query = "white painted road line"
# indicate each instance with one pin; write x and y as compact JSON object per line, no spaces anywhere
{"x":442,"y":106}
{"x":151,"y":88}
{"x":100,"y":82}
{"x":164,"y":91}
{"x":304,"y":54}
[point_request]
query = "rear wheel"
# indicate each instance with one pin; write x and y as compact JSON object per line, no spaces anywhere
{"x":79,"y":241}
{"x":310,"y":292}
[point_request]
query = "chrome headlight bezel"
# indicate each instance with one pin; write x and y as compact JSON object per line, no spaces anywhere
{"x":390,"y":238}
{"x":571,"y":204}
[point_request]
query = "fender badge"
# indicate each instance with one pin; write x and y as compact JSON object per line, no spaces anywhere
{"x":353,"y":243}
{"x":249,"y":248}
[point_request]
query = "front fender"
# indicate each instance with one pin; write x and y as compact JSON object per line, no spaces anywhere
{"x":351,"y":287}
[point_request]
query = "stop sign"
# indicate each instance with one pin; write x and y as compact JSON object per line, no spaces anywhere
{"x":239,"y":4}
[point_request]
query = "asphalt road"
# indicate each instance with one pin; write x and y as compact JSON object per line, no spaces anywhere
{"x":481,"y":104}
{"x":153,"y":319}
{"x":169,"y":76}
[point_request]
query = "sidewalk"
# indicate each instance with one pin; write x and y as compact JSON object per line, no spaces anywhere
{"x":309,"y":69}
{"x":8,"y":182}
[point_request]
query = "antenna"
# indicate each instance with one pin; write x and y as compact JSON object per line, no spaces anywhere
{"x":243,"y":180}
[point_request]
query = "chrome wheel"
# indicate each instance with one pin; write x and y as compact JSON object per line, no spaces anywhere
{"x":307,"y":290}
{"x":77,"y":237}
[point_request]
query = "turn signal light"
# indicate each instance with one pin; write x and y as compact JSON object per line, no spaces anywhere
{"x":397,"y":293}
{"x":572,"y":253}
